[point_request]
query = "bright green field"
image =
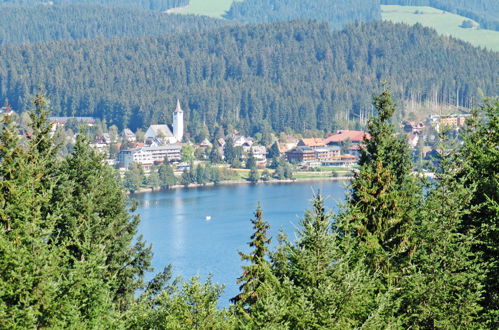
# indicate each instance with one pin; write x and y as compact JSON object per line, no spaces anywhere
{"x":213,"y":8}
{"x":444,"y":22}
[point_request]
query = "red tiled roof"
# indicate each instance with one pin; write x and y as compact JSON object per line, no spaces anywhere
{"x":312,"y":142}
{"x":343,"y":135}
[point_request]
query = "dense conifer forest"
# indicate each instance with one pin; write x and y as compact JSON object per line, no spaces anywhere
{"x":484,"y":12}
{"x":337,"y":13}
{"x":33,"y":24}
{"x":297,"y":75}
{"x":139,"y":4}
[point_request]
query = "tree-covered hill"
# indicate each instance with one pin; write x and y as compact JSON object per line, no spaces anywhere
{"x":337,"y":13}
{"x":486,"y":12}
{"x":142,"y":4}
{"x":297,"y":74}
{"x":44,"y":23}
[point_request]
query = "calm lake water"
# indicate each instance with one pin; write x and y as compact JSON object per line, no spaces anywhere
{"x":175,"y":223}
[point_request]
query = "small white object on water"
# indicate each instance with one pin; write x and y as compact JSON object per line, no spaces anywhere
{"x":208,"y":217}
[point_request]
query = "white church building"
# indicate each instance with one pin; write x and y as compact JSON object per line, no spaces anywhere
{"x":164,"y":133}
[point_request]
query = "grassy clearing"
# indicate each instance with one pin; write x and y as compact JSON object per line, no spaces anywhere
{"x":444,"y":22}
{"x":212,"y":8}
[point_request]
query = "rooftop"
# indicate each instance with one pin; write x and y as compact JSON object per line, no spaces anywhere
{"x":343,"y":135}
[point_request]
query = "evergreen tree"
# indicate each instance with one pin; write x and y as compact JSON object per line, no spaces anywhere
{"x":230,"y":151}
{"x":96,"y":211}
{"x":255,"y":274}
{"x":274,"y":151}
{"x":251,"y":161}
{"x":134,"y":178}
{"x":166,"y":175}
{"x":442,"y":287}
{"x":479,"y":165}
{"x":153,"y":178}
{"x":382,"y":204}
{"x":215,"y":157}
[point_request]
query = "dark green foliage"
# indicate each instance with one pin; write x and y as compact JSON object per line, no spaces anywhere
{"x":254,"y":275}
{"x":230,"y":151}
{"x":265,"y":176}
{"x":482,"y":11}
{"x":134,"y":178}
{"x":166,"y":175}
{"x":479,"y":166}
{"x":215,"y":156}
{"x":99,"y":213}
{"x":22,"y":25}
{"x":47,"y":280}
{"x":337,"y":13}
{"x":442,"y":287}
{"x":382,"y":204}
{"x":274,"y":151}
{"x":297,"y":75}
{"x":254,"y":175}
{"x":138,"y":4}
{"x":251,"y":161}
{"x":179,"y":305}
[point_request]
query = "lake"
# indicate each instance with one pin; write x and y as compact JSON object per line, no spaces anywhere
{"x":176,"y":224}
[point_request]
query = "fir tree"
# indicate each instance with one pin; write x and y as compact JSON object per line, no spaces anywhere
{"x":251,"y":161}
{"x":254,"y":274}
{"x":381,"y":208}
{"x":442,"y":287}
{"x":166,"y":175}
{"x":479,"y":165}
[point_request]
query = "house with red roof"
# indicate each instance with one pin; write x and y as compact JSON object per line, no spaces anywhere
{"x":341,"y":136}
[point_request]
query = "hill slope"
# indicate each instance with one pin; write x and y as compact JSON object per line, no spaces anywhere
{"x":298,"y":74}
{"x":33,"y":24}
{"x":485,"y":12}
{"x":444,"y":22}
{"x":141,"y":4}
{"x":337,"y":13}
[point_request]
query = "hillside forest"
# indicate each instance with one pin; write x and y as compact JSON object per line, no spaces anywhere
{"x":297,"y":75}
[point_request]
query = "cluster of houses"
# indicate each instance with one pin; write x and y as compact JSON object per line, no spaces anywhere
{"x":315,"y":152}
{"x":161,"y":142}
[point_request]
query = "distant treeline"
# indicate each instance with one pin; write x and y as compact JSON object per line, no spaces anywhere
{"x":296,"y":75}
{"x":337,"y":13}
{"x":485,"y":12}
{"x":143,"y":4}
{"x":45,"y":23}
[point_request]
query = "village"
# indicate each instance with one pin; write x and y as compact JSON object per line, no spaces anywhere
{"x":235,"y":156}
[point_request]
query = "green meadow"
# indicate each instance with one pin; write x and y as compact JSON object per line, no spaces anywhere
{"x":444,"y":22}
{"x":212,"y":8}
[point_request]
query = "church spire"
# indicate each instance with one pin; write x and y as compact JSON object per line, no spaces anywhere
{"x":179,"y":109}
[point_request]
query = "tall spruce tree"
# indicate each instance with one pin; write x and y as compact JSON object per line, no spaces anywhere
{"x":255,"y":274}
{"x":442,"y":287}
{"x":98,"y":219}
{"x":382,"y":205}
{"x":479,"y":165}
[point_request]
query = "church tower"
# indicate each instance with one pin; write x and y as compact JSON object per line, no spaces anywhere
{"x":178,"y":123}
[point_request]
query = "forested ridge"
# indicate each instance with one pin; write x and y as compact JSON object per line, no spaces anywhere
{"x":45,"y":23}
{"x":142,"y":4}
{"x":298,"y":74}
{"x":485,"y":12}
{"x":337,"y":13}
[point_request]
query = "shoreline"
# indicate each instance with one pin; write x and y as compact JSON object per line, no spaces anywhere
{"x":235,"y":182}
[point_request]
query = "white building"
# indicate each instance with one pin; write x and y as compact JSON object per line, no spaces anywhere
{"x":160,"y":132}
{"x":163,"y":133}
{"x":178,"y":123}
